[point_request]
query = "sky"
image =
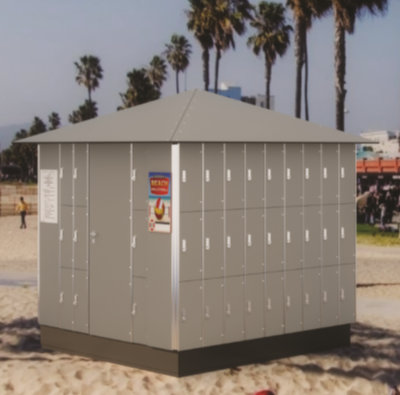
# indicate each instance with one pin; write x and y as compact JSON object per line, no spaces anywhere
{"x":40,"y":41}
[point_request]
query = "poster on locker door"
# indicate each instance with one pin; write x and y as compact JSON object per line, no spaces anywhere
{"x":160,"y":202}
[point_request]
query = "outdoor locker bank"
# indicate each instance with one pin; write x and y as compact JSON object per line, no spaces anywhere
{"x":196,"y":233}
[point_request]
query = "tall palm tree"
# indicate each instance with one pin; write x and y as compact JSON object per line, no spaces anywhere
{"x":157,"y":71}
{"x":272,"y":37}
{"x":54,"y":121}
{"x":199,"y":21}
{"x":303,"y":13}
{"x":178,"y":53}
{"x":345,"y":14}
{"x":89,"y":72}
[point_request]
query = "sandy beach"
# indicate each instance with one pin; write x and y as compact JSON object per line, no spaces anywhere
{"x":370,"y":366}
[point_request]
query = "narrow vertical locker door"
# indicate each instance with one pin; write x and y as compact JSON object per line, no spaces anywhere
{"x":66,"y":174}
{"x":213,"y":311}
{"x":312,"y":174}
{"x":254,"y":175}
{"x":139,"y":311}
{"x":213,"y":176}
{"x":347,"y":294}
{"x":275,"y":239}
{"x":234,"y":177}
{"x":294,"y":175}
{"x":274,"y":174}
{"x":312,"y":299}
{"x":80,"y":302}
{"x":139,"y":242}
{"x":347,"y":174}
{"x":347,"y":233}
{"x":234,"y":318}
{"x":274,"y":304}
{"x":330,"y":168}
{"x":191,"y":177}
{"x":254,"y":242}
{"x":190,"y":249}
{"x":293,"y":301}
{"x":294,"y":238}
{"x":330,"y":231}
{"x":65,"y":299}
{"x":213,"y":244}
{"x":254,"y":303}
{"x":312,"y":236}
{"x":79,"y":175}
{"x":329,"y":296}
{"x":190,"y":328}
{"x":234,"y":243}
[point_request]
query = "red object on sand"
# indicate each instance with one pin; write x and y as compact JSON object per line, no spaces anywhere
{"x":264,"y":392}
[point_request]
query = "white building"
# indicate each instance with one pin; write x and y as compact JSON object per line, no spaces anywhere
{"x":388,"y":142}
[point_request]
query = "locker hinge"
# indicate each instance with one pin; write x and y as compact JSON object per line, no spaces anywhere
{"x":61,"y":299}
{"x":75,"y":302}
{"x":133,"y":175}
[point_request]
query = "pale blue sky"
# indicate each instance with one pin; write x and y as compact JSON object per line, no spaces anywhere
{"x":40,"y":40}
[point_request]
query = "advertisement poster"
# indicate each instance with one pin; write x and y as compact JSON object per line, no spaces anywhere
{"x":160,"y":202}
{"x":48,"y":196}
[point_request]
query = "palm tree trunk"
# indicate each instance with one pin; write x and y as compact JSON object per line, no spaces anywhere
{"x":299,"y":53}
{"x":268,"y":71}
{"x":340,"y":69}
{"x":306,"y":109}
{"x":206,"y":68}
{"x":177,"y":81}
{"x":217,"y":58}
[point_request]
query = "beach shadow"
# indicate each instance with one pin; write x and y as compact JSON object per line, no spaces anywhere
{"x":368,"y":343}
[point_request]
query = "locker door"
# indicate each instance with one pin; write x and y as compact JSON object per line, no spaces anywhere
{"x":80,"y":175}
{"x":234,"y":242}
{"x":139,"y":311}
{"x":275,"y":178}
{"x":254,"y":241}
{"x":141,"y":174}
{"x":293,"y":302}
{"x":213,"y":244}
{"x":294,"y":238}
{"x":312,"y":299}
{"x":191,"y":177}
{"x":274,"y":239}
{"x":274,"y":304}
{"x":213,"y":312}
{"x":190,"y":332}
{"x":312,"y":174}
{"x":330,"y":285}
{"x":139,"y":243}
{"x":294,"y":174}
{"x":347,"y":174}
{"x":254,"y":175}
{"x":191,"y":254}
{"x":234,"y":176}
{"x":347,"y":213}
{"x":80,"y":302}
{"x":214,"y":176}
{"x":312,"y":236}
{"x":330,"y":181}
{"x":347,"y":294}
{"x":330,"y":230}
{"x":66,"y":237}
{"x":65,"y":300}
{"x":66,"y":175}
{"x":80,"y":238}
{"x":254,"y":303}
{"x":234,"y":318}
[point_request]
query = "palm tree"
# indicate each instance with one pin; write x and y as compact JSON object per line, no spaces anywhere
{"x":228,"y":18}
{"x":54,"y":121}
{"x":345,"y":14}
{"x":199,"y":22}
{"x":86,"y":111}
{"x":157,"y":71}
{"x":178,"y":53}
{"x":303,"y":12}
{"x":89,"y":73}
{"x":272,"y":37}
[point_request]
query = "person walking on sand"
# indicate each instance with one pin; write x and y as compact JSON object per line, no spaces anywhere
{"x":22,"y":208}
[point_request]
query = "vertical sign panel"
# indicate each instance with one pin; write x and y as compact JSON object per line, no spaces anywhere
{"x":48,"y":196}
{"x":160,"y":202}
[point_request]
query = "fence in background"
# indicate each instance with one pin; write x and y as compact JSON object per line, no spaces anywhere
{"x":10,"y":194}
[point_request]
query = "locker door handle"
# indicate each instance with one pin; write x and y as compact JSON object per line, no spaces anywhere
{"x":249,"y":241}
{"x":249,"y":175}
{"x":61,"y":234}
{"x":228,"y":242}
{"x":342,"y":294}
{"x":288,"y":173}
{"x":325,"y":173}
{"x":307,"y":235}
{"x":325,"y":234}
{"x":342,"y":233}
{"x":269,"y":174}
{"x":288,"y":301}
{"x":307,"y":173}
{"x":288,"y":237}
{"x":183,"y":315}
{"x":342,"y":174}
{"x":183,"y":175}
{"x":134,"y":309}
{"x":75,"y":174}
{"x":228,"y":309}
{"x":249,"y":306}
{"x":228,"y":175}
{"x":184,"y":246}
{"x":325,"y":296}
{"x":269,"y":238}
{"x":307,"y":299}
{"x":75,"y":238}
{"x":207,"y":243}
{"x":134,"y":241}
{"x":207,"y":313}
{"x":269,"y":304}
{"x":93,"y":236}
{"x":133,"y":176}
{"x":207,"y":177}
{"x":75,"y":302}
{"x":61,"y":299}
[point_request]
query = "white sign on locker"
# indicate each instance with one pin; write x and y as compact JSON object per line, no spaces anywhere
{"x":48,"y":196}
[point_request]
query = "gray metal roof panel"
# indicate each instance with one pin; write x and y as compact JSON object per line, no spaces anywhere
{"x":195,"y":116}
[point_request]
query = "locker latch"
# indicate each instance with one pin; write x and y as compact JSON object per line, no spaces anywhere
{"x":183,"y":175}
{"x":249,"y":306}
{"x":269,"y":175}
{"x":307,"y":173}
{"x":75,"y":237}
{"x":249,"y":175}
{"x":342,"y":294}
{"x":61,"y":234}
{"x":269,"y":304}
{"x":307,"y":235}
{"x":228,"y":242}
{"x":207,"y":243}
{"x":207,"y":177}
{"x":288,"y":237}
{"x":228,"y":309}
{"x":75,"y":173}
{"x":325,"y":296}
{"x":134,"y":309}
{"x":325,"y":232}
{"x":134,"y":241}
{"x":269,"y":238}
{"x":342,"y":235}
{"x":288,"y":173}
{"x":342,"y":172}
{"x":249,"y":241}
{"x":307,"y":299}
{"x":61,"y":299}
{"x":207,"y":313}
{"x":325,"y":173}
{"x":228,"y":175}
{"x":75,"y":302}
{"x":183,"y":245}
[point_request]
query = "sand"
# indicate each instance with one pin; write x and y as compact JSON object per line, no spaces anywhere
{"x":370,"y":366}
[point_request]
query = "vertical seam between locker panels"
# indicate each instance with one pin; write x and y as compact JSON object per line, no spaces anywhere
{"x":202,"y":242}
{"x":284,"y":237}
{"x":265,"y":235}
{"x":303,"y":272}
{"x":321,"y":206}
{"x":339,"y":263}
{"x":87,"y":233}
{"x":39,"y":211}
{"x":73,"y":234}
{"x":244,"y":266}
{"x":59,"y":233}
{"x":224,"y":235}
{"x":131,"y":284}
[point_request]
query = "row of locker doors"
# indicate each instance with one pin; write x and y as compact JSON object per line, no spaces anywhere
{"x":255,"y":175}
{"x":215,"y":312}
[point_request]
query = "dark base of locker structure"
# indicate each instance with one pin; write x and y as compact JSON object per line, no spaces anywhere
{"x":187,"y":362}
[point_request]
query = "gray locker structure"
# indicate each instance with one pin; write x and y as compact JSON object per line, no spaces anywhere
{"x":254,"y":258}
